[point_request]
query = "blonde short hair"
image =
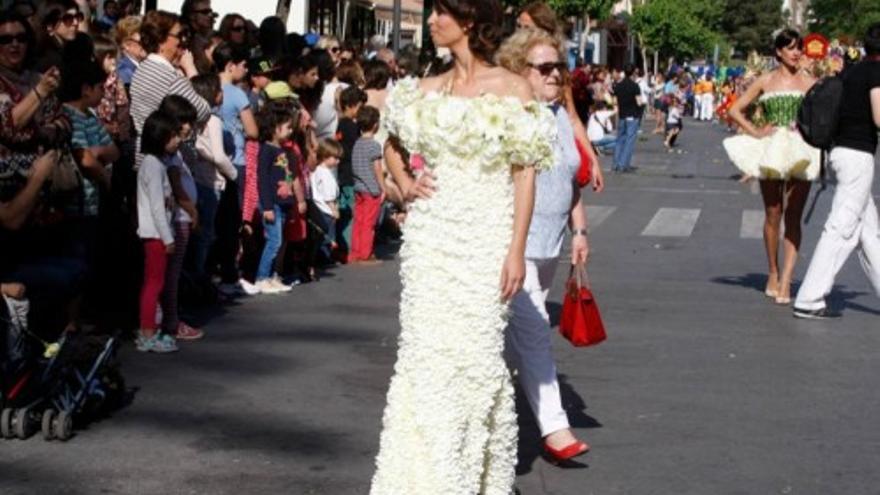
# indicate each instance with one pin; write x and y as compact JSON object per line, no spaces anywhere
{"x":125,"y":29}
{"x":514,"y":52}
{"x":326,"y":41}
{"x":329,"y":147}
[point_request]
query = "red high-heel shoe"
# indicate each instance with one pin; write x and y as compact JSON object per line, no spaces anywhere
{"x":567,"y":453}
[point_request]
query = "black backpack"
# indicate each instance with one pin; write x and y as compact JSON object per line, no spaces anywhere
{"x":819,"y":114}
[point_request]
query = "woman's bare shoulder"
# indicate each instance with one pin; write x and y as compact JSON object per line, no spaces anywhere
{"x":502,"y":82}
{"x":433,"y":83}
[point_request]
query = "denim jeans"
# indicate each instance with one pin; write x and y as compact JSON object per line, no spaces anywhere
{"x":608,"y":142}
{"x":274,"y":233}
{"x":626,"y":143}
{"x":209,"y":200}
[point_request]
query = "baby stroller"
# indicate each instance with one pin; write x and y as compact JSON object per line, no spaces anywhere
{"x":74,"y":377}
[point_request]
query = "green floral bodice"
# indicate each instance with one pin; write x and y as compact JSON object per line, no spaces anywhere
{"x":780,"y":108}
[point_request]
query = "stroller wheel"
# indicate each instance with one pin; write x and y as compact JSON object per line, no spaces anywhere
{"x":48,"y":418}
{"x":6,"y":423}
{"x":22,"y":423}
{"x":63,"y":426}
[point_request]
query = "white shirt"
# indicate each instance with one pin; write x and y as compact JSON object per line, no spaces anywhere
{"x":674,"y":116}
{"x":599,"y":124}
{"x":324,"y":188}
{"x":326,"y":116}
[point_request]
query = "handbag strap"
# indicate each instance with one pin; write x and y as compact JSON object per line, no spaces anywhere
{"x":579,"y":272}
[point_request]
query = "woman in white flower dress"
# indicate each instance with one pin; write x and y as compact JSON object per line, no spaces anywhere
{"x":776,"y":154}
{"x":450,"y":427}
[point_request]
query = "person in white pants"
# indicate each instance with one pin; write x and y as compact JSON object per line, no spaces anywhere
{"x":536,"y":55}
{"x":853,"y":220}
{"x":707,"y":99}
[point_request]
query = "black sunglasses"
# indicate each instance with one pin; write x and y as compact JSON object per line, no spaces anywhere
{"x":547,"y":68}
{"x":69,"y":19}
{"x":7,"y":39}
{"x":334,"y":49}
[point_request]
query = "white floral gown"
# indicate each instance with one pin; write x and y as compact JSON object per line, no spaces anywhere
{"x":450,"y":427}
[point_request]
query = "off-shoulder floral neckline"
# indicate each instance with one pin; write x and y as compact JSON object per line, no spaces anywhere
{"x":444,"y":93}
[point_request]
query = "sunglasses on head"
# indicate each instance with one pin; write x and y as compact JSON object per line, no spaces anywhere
{"x":7,"y":39}
{"x":547,"y":68}
{"x":70,"y":19}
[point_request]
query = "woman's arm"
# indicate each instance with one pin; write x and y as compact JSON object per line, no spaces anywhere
{"x":14,"y":213}
{"x":251,"y":131}
{"x":514,"y":271}
{"x":211,"y":149}
{"x":736,"y":111}
{"x":580,"y":244}
{"x":180,"y":195}
{"x":410,"y":187}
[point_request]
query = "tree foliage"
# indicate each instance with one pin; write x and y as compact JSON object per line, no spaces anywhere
{"x":750,"y":25}
{"x":671,"y":28}
{"x":851,"y":18}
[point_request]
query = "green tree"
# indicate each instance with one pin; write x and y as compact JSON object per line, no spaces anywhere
{"x":670,"y":28}
{"x":835,"y":18}
{"x":750,"y":25}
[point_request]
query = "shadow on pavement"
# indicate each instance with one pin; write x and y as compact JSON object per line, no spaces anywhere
{"x":756,"y":281}
{"x":530,"y":442}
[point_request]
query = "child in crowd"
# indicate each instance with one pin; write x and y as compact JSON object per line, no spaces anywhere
{"x":366,"y":161}
{"x":212,"y":169}
{"x":324,"y":210}
{"x":673,"y":123}
{"x":260,"y":70}
{"x":94,"y":152}
{"x":275,"y":191}
{"x":351,"y":100}
{"x":114,"y":107}
{"x":155,"y":204}
{"x":186,"y":216}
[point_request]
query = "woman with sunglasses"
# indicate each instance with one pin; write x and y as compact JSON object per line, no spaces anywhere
{"x":537,"y":56}
{"x":332,"y":45}
{"x":539,"y":15}
{"x":234,"y":31}
{"x":128,"y":39}
{"x":166,"y":41}
{"x":61,"y":20}
{"x":198,"y":17}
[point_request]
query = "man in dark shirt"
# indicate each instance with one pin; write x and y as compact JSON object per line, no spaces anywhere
{"x":853,"y":219}
{"x":628,"y":96}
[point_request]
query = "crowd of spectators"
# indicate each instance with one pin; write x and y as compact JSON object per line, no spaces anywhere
{"x":154,"y":161}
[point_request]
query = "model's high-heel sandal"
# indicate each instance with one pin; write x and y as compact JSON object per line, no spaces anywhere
{"x":567,"y":453}
{"x":783,"y":300}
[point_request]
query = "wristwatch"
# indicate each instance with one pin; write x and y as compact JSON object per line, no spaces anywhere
{"x":582,"y":232}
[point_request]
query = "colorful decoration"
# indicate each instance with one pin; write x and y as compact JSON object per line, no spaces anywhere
{"x":816,"y":46}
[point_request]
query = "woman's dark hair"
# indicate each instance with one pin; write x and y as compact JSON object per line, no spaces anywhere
{"x":75,"y":76}
{"x":271,"y":37}
{"x":10,"y":17}
{"x":207,"y":86}
{"x":544,"y":17}
{"x":51,"y":12}
{"x":159,"y":128}
{"x":367,"y":118}
{"x":228,"y":22}
{"x":786,"y":38}
{"x":326,"y":66}
{"x":872,"y":40}
{"x":180,"y":109}
{"x":376,"y":74}
{"x":155,"y":28}
{"x":295,"y":45}
{"x":482,"y":20}
{"x":270,"y":117}
{"x":350,"y":72}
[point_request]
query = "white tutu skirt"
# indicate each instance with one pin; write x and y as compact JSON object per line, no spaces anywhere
{"x":784,"y":155}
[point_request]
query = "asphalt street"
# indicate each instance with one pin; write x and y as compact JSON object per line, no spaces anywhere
{"x":703,"y":386}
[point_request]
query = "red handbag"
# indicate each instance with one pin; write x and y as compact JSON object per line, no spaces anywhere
{"x":581,"y":322}
{"x":585,"y":172}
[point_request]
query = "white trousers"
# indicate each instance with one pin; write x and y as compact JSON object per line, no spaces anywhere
{"x":707,"y":106}
{"x":852,"y":223}
{"x":528,"y":347}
